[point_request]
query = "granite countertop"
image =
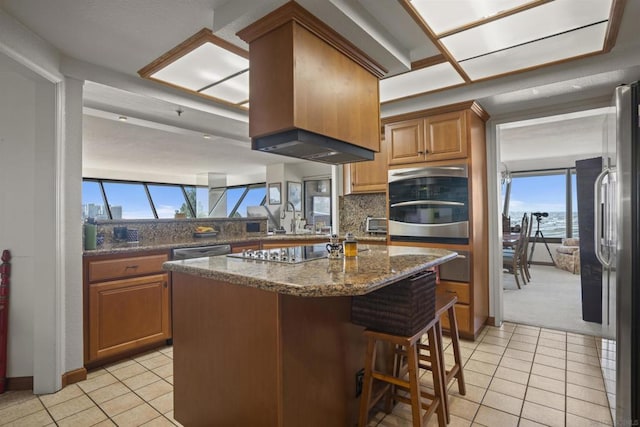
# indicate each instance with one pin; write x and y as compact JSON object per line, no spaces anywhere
{"x":159,"y":244}
{"x":375,"y":266}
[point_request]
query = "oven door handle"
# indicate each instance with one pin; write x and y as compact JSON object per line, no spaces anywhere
{"x":426,"y":202}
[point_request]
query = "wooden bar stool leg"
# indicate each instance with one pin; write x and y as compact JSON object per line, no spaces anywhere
{"x":443,"y":372}
{"x":367,"y":382}
{"x":414,"y":384}
{"x":455,"y":343}
{"x":437,"y":370}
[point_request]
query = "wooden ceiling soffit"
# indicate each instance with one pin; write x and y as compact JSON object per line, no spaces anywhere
{"x":428,"y":62}
{"x":292,"y":11}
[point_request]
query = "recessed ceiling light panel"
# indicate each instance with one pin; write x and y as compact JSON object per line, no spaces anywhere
{"x":568,"y":45}
{"x":235,"y":90}
{"x":202,"y":66}
{"x":419,"y":81}
{"x":529,"y":25}
{"x":445,"y":15}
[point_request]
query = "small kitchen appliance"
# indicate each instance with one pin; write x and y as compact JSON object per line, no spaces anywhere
{"x":376,"y":225}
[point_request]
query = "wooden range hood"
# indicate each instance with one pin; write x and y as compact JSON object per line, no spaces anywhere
{"x":313,"y":94}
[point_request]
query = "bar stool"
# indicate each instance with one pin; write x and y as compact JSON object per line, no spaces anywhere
{"x":391,"y":383}
{"x":445,"y":303}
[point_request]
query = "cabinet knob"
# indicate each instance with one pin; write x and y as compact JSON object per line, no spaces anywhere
{"x":421,"y":152}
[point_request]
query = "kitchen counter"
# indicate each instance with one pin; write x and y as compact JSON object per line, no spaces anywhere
{"x":374,"y":267}
{"x":160,"y":244}
{"x":251,"y":346}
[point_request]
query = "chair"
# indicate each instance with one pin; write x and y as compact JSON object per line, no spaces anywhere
{"x":513,"y":260}
{"x":506,"y":223}
{"x":568,"y":255}
{"x":525,"y":251}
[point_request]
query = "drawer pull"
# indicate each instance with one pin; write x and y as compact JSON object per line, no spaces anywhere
{"x":131,"y":266}
{"x":452,"y":291}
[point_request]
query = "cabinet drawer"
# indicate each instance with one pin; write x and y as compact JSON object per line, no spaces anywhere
{"x":460,"y":289}
{"x":463,"y":316}
{"x":125,"y":267}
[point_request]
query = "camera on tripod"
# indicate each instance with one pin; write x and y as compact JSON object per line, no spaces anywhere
{"x":539,"y":215}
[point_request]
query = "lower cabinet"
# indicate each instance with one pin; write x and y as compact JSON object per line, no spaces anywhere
{"x":127,"y":305}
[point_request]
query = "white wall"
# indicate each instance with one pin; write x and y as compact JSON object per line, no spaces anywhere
{"x":18,"y":219}
{"x":40,"y":181}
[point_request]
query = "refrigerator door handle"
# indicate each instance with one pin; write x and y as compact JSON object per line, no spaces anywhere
{"x":598,"y":215}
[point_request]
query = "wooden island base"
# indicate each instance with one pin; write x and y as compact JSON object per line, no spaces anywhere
{"x":248,"y":357}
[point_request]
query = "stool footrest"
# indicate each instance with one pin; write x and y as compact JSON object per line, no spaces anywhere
{"x":390,"y":379}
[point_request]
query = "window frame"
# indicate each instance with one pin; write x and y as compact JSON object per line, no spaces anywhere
{"x":568,"y":173}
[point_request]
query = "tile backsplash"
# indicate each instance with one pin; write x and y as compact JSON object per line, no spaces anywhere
{"x":355,"y":208}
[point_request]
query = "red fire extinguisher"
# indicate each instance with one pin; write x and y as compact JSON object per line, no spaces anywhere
{"x":5,"y":270}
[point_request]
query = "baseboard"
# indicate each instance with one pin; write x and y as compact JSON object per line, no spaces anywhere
{"x":19,"y":383}
{"x":491,"y":321}
{"x":74,"y":376}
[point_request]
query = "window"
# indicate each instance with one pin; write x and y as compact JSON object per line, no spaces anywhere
{"x":127,"y":200}
{"x":548,"y":192}
{"x":168,"y":200}
{"x":199,"y":196}
{"x":93,"y":205}
{"x":255,"y":196}
{"x":108,"y":199}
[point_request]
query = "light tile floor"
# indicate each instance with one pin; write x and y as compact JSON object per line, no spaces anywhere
{"x":516,"y":375}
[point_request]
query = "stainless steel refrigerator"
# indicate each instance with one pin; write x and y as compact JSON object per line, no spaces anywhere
{"x":617,"y":244}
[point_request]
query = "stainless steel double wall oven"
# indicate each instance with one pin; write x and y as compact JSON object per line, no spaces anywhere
{"x":429,"y":204}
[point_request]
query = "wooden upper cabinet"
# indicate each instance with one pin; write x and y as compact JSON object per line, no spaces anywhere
{"x":405,"y":141}
{"x":438,"y":137}
{"x":446,"y":136}
{"x":306,"y":76}
{"x":369,"y":176}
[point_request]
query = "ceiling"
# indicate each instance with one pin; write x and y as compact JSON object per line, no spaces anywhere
{"x":105,"y":42}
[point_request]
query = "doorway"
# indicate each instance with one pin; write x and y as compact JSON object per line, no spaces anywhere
{"x":536,"y":174}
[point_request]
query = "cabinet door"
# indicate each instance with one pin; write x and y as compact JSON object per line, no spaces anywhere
{"x":127,"y":314}
{"x":368,"y":177}
{"x":446,"y":136}
{"x":405,"y":141}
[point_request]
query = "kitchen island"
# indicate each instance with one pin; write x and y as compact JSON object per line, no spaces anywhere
{"x":271,"y":344}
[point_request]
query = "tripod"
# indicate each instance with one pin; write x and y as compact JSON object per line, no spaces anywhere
{"x":535,"y":239}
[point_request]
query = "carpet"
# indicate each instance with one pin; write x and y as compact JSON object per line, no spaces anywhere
{"x":552,"y":300}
